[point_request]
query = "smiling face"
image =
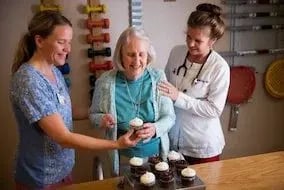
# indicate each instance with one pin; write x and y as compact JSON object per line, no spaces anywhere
{"x":56,"y":46}
{"x":199,"y":42}
{"x":134,"y":56}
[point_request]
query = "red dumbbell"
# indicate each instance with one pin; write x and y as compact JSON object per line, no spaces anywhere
{"x":104,"y":37}
{"x":103,"y":23}
{"x":93,"y":66}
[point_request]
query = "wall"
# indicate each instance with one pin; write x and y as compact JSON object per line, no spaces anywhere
{"x":260,"y":123}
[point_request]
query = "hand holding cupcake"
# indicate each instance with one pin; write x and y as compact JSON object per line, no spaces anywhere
{"x":136,"y":123}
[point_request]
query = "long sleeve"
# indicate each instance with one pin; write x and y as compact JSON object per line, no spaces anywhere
{"x":166,"y":113}
{"x":212,"y":105}
{"x":101,"y":100}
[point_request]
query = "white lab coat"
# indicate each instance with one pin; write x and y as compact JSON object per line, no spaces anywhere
{"x":197,"y":131}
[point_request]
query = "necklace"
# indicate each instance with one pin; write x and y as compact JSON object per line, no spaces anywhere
{"x":136,"y":104}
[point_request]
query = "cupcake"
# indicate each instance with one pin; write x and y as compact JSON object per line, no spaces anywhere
{"x":187,"y":176}
{"x":135,"y":163}
{"x":166,"y":179}
{"x":153,"y":160}
{"x":180,"y":165}
{"x":173,"y":156}
{"x":136,"y":123}
{"x":147,"y":180}
{"x":139,"y":172}
{"x":160,"y":168}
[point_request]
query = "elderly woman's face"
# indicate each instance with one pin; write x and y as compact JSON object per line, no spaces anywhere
{"x":134,"y":58}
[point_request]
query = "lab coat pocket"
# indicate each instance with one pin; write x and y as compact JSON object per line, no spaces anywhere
{"x":200,"y":89}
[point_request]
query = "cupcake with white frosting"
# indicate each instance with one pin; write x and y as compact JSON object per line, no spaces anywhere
{"x":136,"y":123}
{"x":187,"y":176}
{"x":161,"y":167}
{"x":147,"y":180}
{"x":173,"y":156}
{"x":135,"y":163}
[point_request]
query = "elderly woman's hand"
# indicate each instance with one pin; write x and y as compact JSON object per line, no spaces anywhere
{"x":107,"y":121}
{"x":148,"y":131}
{"x":167,"y":89}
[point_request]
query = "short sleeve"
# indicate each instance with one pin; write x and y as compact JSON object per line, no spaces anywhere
{"x":34,"y":97}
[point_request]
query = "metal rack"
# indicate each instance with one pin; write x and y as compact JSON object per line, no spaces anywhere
{"x":253,"y":2}
{"x":252,"y":52}
{"x":233,"y":15}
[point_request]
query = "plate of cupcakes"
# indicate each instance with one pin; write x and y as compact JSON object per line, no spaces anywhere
{"x":157,"y":174}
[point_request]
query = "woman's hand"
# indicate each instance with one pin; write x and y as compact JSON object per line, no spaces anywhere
{"x":107,"y":121}
{"x":129,"y":139}
{"x":148,"y":131}
{"x":167,"y":89}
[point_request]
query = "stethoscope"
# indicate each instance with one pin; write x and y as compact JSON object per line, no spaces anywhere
{"x":184,"y":67}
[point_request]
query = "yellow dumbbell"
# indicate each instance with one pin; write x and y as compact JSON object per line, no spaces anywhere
{"x":97,"y":9}
{"x":50,"y":8}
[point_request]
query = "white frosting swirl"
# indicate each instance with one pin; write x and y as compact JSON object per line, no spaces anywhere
{"x":148,"y":178}
{"x":162,"y":166}
{"x":136,"y":122}
{"x":136,"y":161}
{"x":188,"y":172}
{"x":173,"y":155}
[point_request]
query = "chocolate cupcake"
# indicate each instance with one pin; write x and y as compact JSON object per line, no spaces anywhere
{"x":173,"y":156}
{"x":135,"y":163}
{"x":166,"y":179}
{"x":160,"y":168}
{"x":139,"y":172}
{"x":147,"y":181}
{"x":187,"y":176}
{"x":153,"y":161}
{"x":180,"y":165}
{"x":136,"y":123}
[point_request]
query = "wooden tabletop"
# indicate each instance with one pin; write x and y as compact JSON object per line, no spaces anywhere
{"x":259,"y":172}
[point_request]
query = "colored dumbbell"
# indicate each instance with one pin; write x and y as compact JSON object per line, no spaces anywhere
{"x":96,"y":9}
{"x":104,"y":52}
{"x":103,"y":23}
{"x":50,"y":8}
{"x":67,"y":81}
{"x":93,"y":66}
{"x":104,"y":37}
{"x":92,"y":80}
{"x":64,"y":69}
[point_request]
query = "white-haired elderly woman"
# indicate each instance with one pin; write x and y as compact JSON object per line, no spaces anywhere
{"x":130,"y":91}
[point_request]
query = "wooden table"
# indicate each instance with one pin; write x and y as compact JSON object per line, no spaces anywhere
{"x":259,"y":172}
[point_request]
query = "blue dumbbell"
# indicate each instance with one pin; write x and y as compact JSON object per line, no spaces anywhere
{"x":64,"y":69}
{"x":67,"y":81}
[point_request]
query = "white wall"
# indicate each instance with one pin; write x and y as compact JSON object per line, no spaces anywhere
{"x":165,"y":23}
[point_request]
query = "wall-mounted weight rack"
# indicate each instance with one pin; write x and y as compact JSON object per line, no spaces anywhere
{"x":97,"y":37}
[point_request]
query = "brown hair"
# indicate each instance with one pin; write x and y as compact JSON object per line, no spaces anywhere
{"x":43,"y":24}
{"x":208,"y":15}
